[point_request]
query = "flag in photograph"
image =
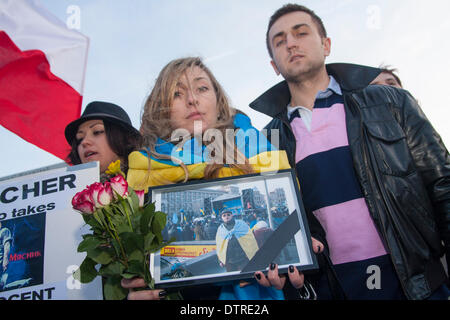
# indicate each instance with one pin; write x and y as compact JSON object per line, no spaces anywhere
{"x":42,"y":67}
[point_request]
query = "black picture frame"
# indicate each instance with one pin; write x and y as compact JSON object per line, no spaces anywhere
{"x":281,"y":231}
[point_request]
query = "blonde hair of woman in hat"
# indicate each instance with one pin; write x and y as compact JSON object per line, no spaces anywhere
{"x":187,"y":96}
{"x":103,"y":133}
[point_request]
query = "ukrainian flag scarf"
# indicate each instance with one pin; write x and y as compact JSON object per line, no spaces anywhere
{"x":258,"y":150}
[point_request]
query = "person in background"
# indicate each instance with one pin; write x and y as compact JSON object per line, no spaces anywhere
{"x":103,"y":133}
{"x":199,"y":231}
{"x":188,"y":232}
{"x":211,"y":229}
{"x":371,"y":167}
{"x":388,"y":77}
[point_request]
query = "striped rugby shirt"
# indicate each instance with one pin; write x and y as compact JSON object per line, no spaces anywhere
{"x":330,"y":187}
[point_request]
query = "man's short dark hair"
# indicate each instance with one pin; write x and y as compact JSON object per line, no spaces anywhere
{"x":288,"y":8}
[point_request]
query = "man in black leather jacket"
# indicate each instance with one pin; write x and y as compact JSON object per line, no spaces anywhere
{"x":399,"y":160}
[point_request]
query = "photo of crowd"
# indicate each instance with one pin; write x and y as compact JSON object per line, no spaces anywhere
{"x":220,"y":228}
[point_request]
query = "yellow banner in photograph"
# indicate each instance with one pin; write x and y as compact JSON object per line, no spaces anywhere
{"x":187,"y":251}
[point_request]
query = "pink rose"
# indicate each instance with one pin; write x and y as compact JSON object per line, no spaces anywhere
{"x":120,"y":186}
{"x":82,"y":202}
{"x":105,"y":195}
{"x":93,"y":190}
{"x":140,"y":194}
{"x":101,"y":194}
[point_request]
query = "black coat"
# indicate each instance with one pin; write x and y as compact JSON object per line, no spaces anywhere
{"x":402,"y":166}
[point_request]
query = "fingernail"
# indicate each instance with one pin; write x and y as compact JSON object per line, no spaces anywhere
{"x":258,"y":276}
{"x":272,"y":266}
{"x":291,"y":269}
{"x":162,"y":294}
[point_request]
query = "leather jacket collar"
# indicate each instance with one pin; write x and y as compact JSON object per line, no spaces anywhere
{"x":351,"y":77}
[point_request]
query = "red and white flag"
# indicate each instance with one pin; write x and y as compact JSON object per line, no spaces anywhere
{"x":42,"y":67}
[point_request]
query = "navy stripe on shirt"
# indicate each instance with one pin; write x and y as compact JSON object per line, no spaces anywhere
{"x":329,"y":101}
{"x":327,"y":179}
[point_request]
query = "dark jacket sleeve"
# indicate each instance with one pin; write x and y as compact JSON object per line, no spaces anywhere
{"x":432,"y":161}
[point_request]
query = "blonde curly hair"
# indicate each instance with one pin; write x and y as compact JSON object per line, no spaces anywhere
{"x":156,"y":115}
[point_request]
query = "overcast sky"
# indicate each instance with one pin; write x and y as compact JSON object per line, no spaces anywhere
{"x":130,"y":42}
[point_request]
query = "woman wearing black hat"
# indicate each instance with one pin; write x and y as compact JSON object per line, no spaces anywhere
{"x":103,"y":133}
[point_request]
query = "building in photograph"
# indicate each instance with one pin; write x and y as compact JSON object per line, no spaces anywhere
{"x":277,"y":198}
{"x":189,"y":202}
{"x":231,"y":201}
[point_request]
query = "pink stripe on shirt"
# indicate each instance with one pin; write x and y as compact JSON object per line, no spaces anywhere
{"x":346,"y":222}
{"x":327,"y":131}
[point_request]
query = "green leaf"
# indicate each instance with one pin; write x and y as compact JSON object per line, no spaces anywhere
{"x":113,"y":269}
{"x":151,"y":206}
{"x":135,"y":267}
{"x":156,"y":246}
{"x":100,"y":255}
{"x":97,"y":217}
{"x":113,"y":290}
{"x":158,"y":224}
{"x":107,"y":210}
{"x":123,"y":228}
{"x":90,"y":220}
{"x":132,"y":241}
{"x":116,"y":246}
{"x":86,"y":272}
{"x":147,"y":216}
{"x":161,"y":219}
{"x":89,"y":243}
{"x":118,"y":221}
{"x":85,"y":236}
{"x":136,"y":255}
{"x":148,"y":240}
{"x":133,"y":200}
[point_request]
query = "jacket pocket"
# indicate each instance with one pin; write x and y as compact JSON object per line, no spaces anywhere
{"x":387,"y":142}
{"x":421,"y":216}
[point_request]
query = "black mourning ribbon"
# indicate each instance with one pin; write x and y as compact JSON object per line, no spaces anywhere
{"x":274,"y":244}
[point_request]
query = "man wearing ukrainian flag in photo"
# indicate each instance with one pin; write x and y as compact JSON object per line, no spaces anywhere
{"x":235,"y":242}
{"x":190,"y":131}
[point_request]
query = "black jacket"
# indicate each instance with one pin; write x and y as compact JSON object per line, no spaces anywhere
{"x":401,"y":163}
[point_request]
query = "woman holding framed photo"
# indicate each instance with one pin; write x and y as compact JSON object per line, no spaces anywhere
{"x":190,"y":132}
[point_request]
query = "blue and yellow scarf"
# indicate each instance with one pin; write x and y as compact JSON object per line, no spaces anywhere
{"x":258,"y":150}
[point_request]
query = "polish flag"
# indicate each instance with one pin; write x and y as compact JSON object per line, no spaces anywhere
{"x":42,"y":67}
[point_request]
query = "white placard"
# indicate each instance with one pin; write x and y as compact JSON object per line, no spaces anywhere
{"x":43,"y":232}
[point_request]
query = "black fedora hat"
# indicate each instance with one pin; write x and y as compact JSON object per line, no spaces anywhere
{"x":104,"y":111}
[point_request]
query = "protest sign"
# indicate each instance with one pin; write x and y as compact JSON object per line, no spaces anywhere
{"x":40,"y":232}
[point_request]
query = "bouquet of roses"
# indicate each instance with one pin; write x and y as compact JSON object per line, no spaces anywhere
{"x":124,"y":233}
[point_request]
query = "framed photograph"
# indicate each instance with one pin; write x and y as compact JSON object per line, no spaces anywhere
{"x":228,"y":228}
